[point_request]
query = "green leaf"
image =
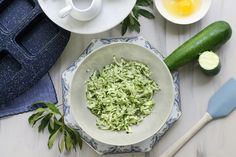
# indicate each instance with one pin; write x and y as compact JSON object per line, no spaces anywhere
{"x":125,"y":25}
{"x":53,"y":108}
{"x":38,"y":103}
{"x":53,"y":137}
{"x":78,"y":138}
{"x":70,"y":131}
{"x":146,"y":14}
{"x":131,"y":22}
{"x":61,"y":145}
{"x":44,"y":122}
{"x":144,"y":3}
{"x":137,"y":27}
{"x":51,"y":123}
{"x":51,"y":130}
{"x":34,"y":118}
{"x":54,"y":120}
{"x":135,"y":12}
{"x":55,"y":125}
{"x":40,"y":110}
{"x":57,"y":122}
{"x":75,"y":136}
{"x":68,"y":141}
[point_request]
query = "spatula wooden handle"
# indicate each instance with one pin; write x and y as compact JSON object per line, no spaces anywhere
{"x":187,"y":136}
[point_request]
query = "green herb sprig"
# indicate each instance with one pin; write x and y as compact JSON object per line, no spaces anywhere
{"x":51,"y":118}
{"x":131,"y":22}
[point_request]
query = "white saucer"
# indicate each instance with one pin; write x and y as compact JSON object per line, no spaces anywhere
{"x":112,"y":14}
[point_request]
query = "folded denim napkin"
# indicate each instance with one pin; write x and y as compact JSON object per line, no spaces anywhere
{"x":42,"y":91}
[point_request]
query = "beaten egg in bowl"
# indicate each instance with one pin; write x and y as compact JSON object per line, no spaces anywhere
{"x":183,"y":11}
{"x":182,"y":7}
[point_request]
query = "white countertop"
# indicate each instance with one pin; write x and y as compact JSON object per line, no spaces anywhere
{"x":217,"y":139}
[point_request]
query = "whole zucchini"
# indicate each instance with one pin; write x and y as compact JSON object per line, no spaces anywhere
{"x":210,"y":38}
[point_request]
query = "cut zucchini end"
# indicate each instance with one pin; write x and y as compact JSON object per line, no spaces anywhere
{"x":209,"y":63}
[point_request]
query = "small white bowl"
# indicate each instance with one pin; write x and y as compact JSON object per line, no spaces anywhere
{"x":199,"y":14}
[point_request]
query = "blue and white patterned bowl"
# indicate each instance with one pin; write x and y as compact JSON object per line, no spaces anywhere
{"x":98,"y":54}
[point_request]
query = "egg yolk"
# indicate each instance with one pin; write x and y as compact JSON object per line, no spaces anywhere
{"x":185,"y":7}
{"x":181,"y":7}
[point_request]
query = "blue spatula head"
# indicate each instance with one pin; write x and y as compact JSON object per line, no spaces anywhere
{"x":223,"y":102}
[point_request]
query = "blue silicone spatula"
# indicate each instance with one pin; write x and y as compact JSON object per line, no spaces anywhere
{"x":221,"y":104}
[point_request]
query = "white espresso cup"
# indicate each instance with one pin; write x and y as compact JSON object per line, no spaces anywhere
{"x":82,"y":10}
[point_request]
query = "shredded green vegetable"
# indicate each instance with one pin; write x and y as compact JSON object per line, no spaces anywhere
{"x":121,"y":94}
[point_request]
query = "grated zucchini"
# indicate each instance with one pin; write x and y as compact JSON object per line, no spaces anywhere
{"x":121,"y":94}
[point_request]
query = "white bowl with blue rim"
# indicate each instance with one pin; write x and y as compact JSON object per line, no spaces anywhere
{"x":102,"y":148}
{"x":96,"y":60}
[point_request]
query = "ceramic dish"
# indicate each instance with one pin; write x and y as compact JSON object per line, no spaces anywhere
{"x":113,"y":12}
{"x":198,"y":15}
{"x":97,"y":60}
{"x":102,"y":148}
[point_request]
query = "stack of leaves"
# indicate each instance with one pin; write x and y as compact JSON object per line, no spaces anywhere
{"x":131,"y":22}
{"x":52,"y":119}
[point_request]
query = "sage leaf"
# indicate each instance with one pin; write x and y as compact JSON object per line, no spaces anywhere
{"x":44,"y":122}
{"x":58,"y":122}
{"x":124,"y":26}
{"x":68,"y":141}
{"x":131,"y":22}
{"x":144,"y":3}
{"x":53,"y":137}
{"x":55,"y":125}
{"x":51,"y":130}
{"x":53,"y":108}
{"x":74,"y":136}
{"x":38,"y":103}
{"x":136,"y":12}
{"x":51,"y":123}
{"x":146,"y":13}
{"x":136,"y":25}
{"x":61,"y":145}
{"x":78,"y":138}
{"x":53,"y":119}
{"x":34,"y":118}
{"x":40,"y":110}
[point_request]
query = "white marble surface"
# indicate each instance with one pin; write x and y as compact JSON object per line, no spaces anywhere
{"x":217,"y":139}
